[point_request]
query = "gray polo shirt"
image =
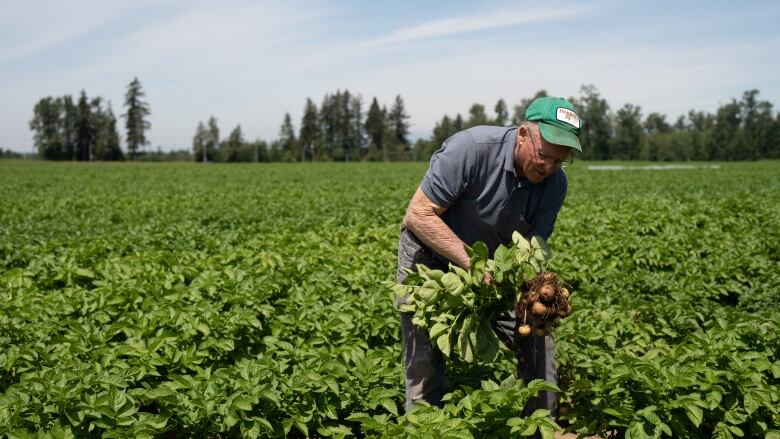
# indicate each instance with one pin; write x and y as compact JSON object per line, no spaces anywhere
{"x":473,"y":176}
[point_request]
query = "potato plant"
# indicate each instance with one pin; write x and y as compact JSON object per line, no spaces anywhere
{"x":177,"y":300}
{"x":458,"y":307}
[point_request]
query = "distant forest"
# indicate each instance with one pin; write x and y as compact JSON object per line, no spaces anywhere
{"x":341,"y":129}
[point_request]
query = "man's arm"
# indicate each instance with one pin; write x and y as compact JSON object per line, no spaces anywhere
{"x":423,"y":218}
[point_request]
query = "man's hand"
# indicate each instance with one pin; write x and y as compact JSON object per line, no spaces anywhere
{"x":487,"y":279}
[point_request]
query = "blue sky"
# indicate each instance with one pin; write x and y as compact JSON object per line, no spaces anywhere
{"x":249,"y":62}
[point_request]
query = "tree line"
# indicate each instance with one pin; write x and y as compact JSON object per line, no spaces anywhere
{"x":64,"y":129}
{"x":341,"y":130}
{"x":745,"y":129}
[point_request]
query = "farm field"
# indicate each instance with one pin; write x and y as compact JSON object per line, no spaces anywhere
{"x":178,"y":300}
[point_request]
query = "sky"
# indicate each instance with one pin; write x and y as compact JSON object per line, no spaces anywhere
{"x":248,"y":63}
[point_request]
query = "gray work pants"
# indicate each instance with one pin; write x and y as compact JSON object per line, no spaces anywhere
{"x":424,"y":363}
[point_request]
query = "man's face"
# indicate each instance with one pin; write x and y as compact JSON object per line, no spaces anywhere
{"x":535,"y":158}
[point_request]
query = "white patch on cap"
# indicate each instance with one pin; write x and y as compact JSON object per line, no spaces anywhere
{"x":568,"y":116}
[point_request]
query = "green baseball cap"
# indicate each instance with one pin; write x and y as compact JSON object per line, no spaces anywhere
{"x":558,"y":121}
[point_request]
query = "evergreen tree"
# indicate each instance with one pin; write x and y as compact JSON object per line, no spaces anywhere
{"x":259,"y":151}
{"x":757,"y":127}
{"x":502,"y":114}
{"x":423,"y":149}
{"x":287,"y":144}
{"x":773,"y":149}
{"x":68,"y":127}
{"x":477,"y":115}
{"x":458,"y":124}
{"x":595,"y":130}
{"x":111,"y":149}
{"x":329,"y":126}
{"x":45,"y":125}
{"x":679,"y":124}
{"x":233,"y":146}
{"x":655,"y":123}
{"x":135,"y":118}
{"x":629,"y":136}
{"x":724,"y":142}
{"x":356,"y":134}
{"x":399,"y":130}
{"x":376,"y":131}
{"x":441,"y":132}
{"x":701,"y":131}
{"x":85,"y":129}
{"x":309,"y":135}
{"x":519,"y":111}
{"x":656,"y":127}
{"x":212,"y":140}
{"x":200,"y":142}
{"x":100,"y":124}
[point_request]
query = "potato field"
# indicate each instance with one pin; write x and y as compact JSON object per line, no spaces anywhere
{"x":186,"y":300}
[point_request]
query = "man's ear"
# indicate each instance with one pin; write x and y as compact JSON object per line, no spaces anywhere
{"x":522,"y":133}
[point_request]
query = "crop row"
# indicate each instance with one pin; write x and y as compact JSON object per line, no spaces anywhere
{"x":137,"y":301}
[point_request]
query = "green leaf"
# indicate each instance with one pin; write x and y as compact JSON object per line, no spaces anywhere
{"x":438,"y":329}
{"x":443,"y":343}
{"x":541,"y":252}
{"x":487,"y":343}
{"x":250,"y":430}
{"x":713,"y":399}
{"x":62,"y":432}
{"x":547,"y":430}
{"x":479,"y":251}
{"x":428,"y":293}
{"x":520,"y":242}
{"x":390,"y":406}
{"x":264,"y":423}
{"x":20,"y":434}
{"x":504,"y":258}
{"x":84,"y":272}
{"x":242,"y":403}
{"x":736,"y":431}
{"x":637,"y":431}
{"x":157,"y":422}
{"x":452,"y":282}
{"x":464,"y":344}
{"x":775,"y":370}
{"x":695,"y":414}
{"x":118,"y":400}
{"x":750,"y":402}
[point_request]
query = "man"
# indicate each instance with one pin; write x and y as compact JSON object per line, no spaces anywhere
{"x":483,"y":184}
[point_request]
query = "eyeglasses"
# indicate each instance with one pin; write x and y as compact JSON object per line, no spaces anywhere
{"x":550,"y":159}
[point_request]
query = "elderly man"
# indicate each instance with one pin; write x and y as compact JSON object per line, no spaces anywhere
{"x":483,"y":184}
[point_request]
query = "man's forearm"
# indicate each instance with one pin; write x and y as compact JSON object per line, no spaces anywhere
{"x":423,"y":219}
{"x":441,"y":239}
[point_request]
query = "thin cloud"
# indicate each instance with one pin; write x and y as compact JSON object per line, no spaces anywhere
{"x":476,"y":22}
{"x":209,"y":41}
{"x":29,"y":28}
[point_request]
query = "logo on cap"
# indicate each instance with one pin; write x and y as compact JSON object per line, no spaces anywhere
{"x":567,"y":116}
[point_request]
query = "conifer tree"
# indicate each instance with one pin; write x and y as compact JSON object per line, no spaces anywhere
{"x":136,"y":121}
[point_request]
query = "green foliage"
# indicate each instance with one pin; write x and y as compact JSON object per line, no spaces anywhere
{"x":676,"y":313}
{"x":247,"y":301}
{"x":458,"y":307}
{"x":64,"y":131}
{"x":136,"y":122}
{"x":488,"y":412}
